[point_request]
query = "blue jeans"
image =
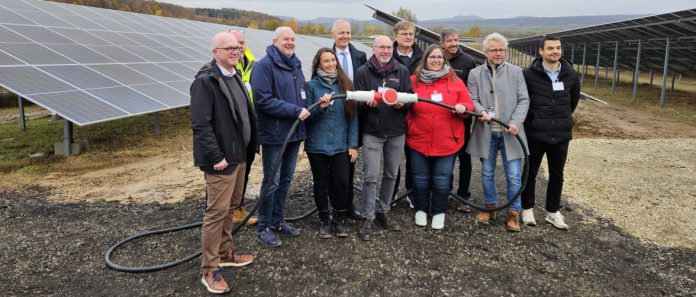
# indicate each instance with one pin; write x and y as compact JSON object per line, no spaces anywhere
{"x":273,"y":203}
{"x":513,"y":175}
{"x":432,"y":180}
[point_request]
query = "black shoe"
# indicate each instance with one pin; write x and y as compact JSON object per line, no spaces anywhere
{"x":365,"y":232}
{"x":325,"y":229}
{"x":388,"y":223}
{"x":339,"y":228}
{"x":355,"y":215}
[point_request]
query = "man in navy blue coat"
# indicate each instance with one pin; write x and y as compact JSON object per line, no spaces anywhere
{"x":278,"y":90}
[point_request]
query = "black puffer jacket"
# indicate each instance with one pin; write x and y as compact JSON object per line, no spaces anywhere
{"x":383,"y":120}
{"x":549,"y":119}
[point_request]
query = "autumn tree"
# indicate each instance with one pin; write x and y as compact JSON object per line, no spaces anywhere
{"x":405,"y":14}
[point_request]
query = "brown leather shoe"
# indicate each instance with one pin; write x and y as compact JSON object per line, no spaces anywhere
{"x":214,"y":283}
{"x":236,"y":260}
{"x":513,"y":221}
{"x":238,"y":215}
{"x":484,"y":217}
{"x":463,"y":207}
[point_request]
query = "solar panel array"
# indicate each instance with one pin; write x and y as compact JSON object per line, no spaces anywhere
{"x":92,"y":65}
{"x":652,"y":31}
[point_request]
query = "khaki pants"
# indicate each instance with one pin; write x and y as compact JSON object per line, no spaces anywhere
{"x":224,"y":195}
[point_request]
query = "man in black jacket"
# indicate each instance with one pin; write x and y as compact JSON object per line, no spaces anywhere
{"x":554,"y":90}
{"x":224,"y":127}
{"x":409,"y":54}
{"x":384,"y":133}
{"x":462,"y":63}
{"x":350,"y":59}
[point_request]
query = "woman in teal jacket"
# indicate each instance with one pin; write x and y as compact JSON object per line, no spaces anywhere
{"x":332,"y":140}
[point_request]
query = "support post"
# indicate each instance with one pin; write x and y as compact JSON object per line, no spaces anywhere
{"x":572,"y":54}
{"x":157,"y":123}
{"x":664,"y":75}
{"x":584,"y":66}
{"x":67,"y":136}
{"x":22,"y":116}
{"x":637,"y":72}
{"x":614,"y":74}
{"x":674,"y":77}
{"x":596,"y":69}
{"x":651,"y":78}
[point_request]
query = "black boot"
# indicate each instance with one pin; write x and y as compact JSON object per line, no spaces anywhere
{"x":337,"y":222}
{"x":325,"y":227}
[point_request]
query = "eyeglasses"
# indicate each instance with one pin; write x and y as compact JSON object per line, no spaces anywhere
{"x":497,"y":51}
{"x":384,"y":47}
{"x":406,"y":34}
{"x":231,"y":49}
{"x":436,"y":58}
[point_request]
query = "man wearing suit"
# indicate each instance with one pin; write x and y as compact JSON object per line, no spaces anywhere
{"x":350,"y":59}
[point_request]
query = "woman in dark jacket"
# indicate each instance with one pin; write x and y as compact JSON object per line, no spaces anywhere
{"x":435,"y":134}
{"x":332,"y":140}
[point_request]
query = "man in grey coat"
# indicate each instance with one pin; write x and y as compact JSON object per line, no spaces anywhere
{"x":499,"y":91}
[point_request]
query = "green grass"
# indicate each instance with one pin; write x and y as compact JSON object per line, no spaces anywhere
{"x":135,"y":134}
{"x":678,"y":104}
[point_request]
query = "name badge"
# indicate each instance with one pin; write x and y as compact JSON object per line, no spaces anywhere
{"x":436,"y":97}
{"x":558,"y":86}
{"x":303,"y":94}
{"x":382,"y":89}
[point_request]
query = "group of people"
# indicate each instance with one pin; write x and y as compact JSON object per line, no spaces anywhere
{"x":239,"y":105}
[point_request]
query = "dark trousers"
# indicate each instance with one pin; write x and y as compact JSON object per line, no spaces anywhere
{"x":556,"y":156}
{"x":465,"y":163}
{"x":408,"y":183}
{"x":432,"y":181}
{"x":251,"y":155}
{"x":330,"y":170}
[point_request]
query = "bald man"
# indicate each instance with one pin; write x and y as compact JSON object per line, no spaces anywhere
{"x":224,"y":127}
{"x":384,"y":133}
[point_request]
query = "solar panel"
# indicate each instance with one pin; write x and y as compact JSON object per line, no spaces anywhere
{"x":92,"y":65}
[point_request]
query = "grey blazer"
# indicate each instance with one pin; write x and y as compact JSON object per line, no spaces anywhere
{"x":513,"y":103}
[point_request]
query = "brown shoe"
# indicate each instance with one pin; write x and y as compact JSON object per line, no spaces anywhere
{"x":484,"y":217}
{"x":236,"y":260}
{"x":214,"y":283}
{"x":240,"y":213}
{"x":513,"y":221}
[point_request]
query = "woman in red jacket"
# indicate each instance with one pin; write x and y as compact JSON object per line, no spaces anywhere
{"x":435,"y":134}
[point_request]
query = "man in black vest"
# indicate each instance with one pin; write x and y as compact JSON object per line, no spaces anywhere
{"x":554,"y":91}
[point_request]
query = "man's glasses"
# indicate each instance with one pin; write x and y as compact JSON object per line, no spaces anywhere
{"x":231,"y":49}
{"x":406,"y":34}
{"x":497,"y":51}
{"x":384,"y":47}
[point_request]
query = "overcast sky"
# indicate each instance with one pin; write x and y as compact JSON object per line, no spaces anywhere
{"x":436,"y":9}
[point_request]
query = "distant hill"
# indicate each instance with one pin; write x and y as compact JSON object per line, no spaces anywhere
{"x":228,"y":16}
{"x":561,"y":23}
{"x":511,"y":27}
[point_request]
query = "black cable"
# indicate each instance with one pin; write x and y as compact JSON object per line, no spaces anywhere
{"x":264,"y":191}
{"x":117,"y":267}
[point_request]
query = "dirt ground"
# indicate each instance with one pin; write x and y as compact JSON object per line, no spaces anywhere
{"x":628,"y":197}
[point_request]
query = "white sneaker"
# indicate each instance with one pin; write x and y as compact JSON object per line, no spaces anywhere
{"x":438,"y":221}
{"x":421,"y":218}
{"x":528,"y":217}
{"x":556,"y":219}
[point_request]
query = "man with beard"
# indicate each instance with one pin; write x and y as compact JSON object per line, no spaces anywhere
{"x":462,"y":63}
{"x":554,"y":91}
